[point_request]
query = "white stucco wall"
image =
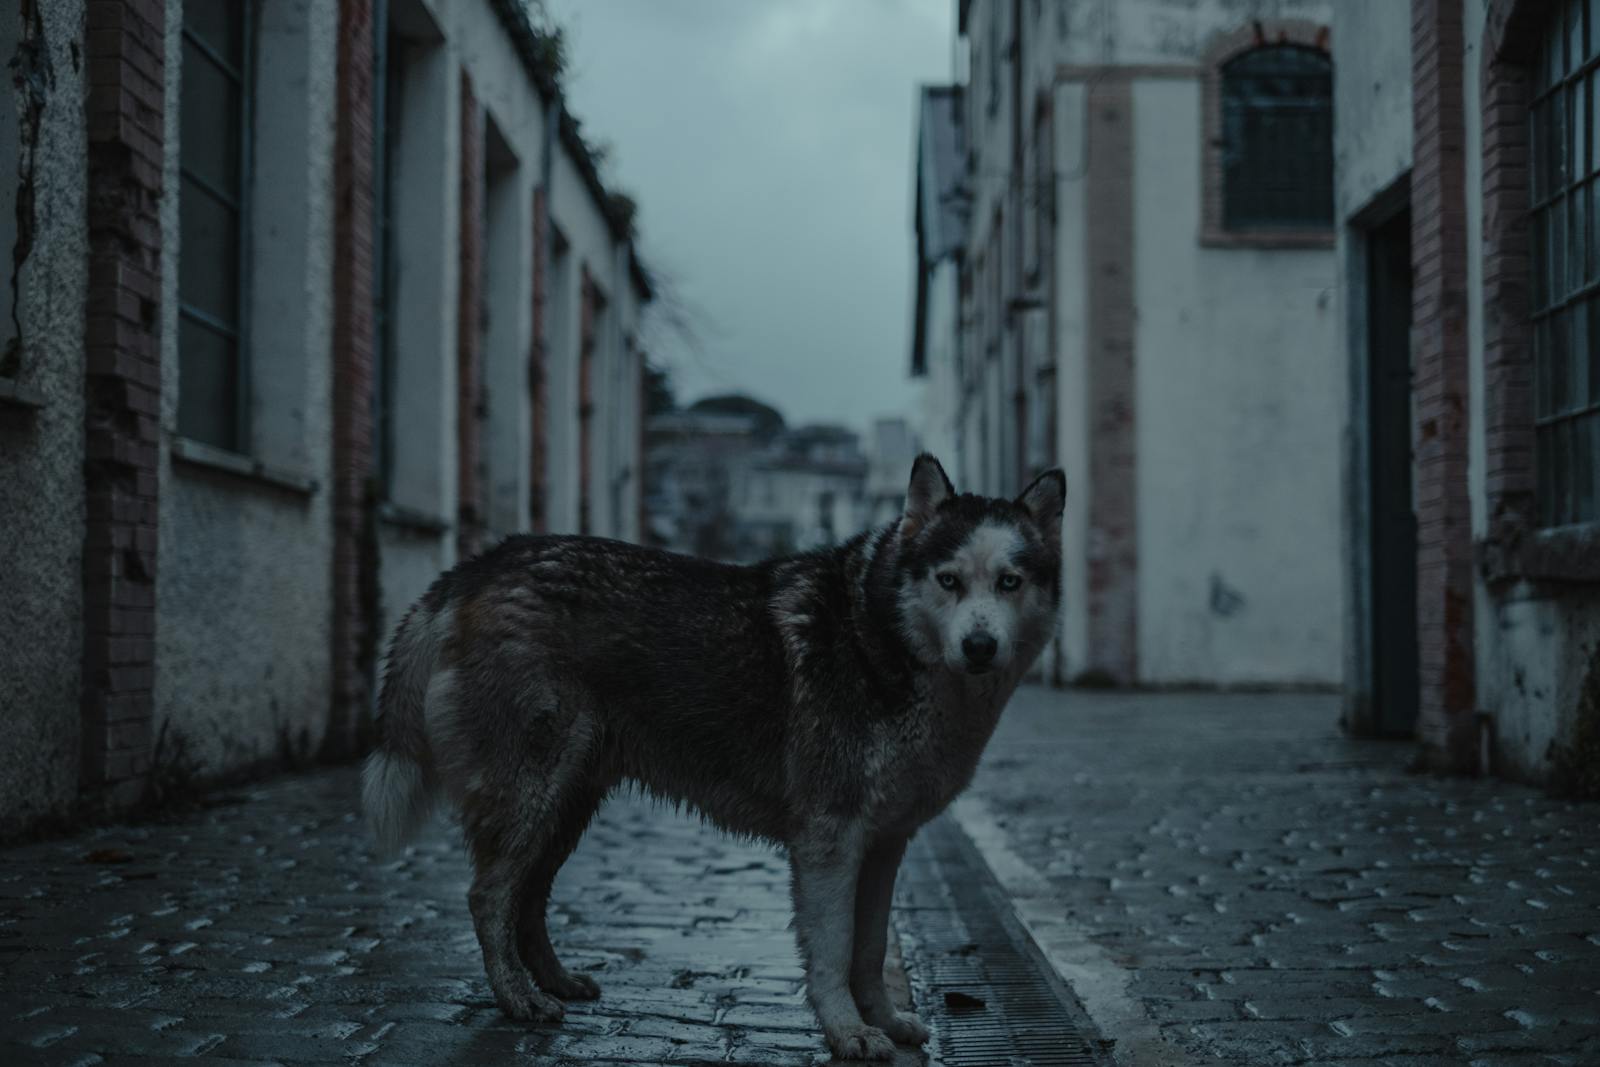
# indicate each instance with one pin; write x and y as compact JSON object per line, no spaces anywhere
{"x":938,"y":423}
{"x":1371,"y":100}
{"x":1239,"y":413}
{"x":41,"y":452}
{"x":243,"y":669}
{"x":1072,"y":372}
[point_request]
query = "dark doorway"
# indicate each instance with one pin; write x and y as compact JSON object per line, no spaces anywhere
{"x":1393,"y":519}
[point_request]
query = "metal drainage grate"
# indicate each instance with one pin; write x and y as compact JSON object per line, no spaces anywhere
{"x":975,"y":976}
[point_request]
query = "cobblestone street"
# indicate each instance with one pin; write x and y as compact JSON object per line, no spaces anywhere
{"x":1219,"y":878}
{"x":261,"y":931}
{"x":1226,"y":878}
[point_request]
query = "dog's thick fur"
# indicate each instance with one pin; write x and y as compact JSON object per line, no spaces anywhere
{"x":830,"y":702}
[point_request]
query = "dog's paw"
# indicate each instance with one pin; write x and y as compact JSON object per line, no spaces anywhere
{"x":860,"y":1043}
{"x":569,"y":986}
{"x":905,"y":1029}
{"x":529,"y":1004}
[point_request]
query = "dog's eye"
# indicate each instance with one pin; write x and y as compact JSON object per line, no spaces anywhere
{"x":1009,"y":583}
{"x":948,"y":581}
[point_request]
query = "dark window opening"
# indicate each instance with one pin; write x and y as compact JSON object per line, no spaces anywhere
{"x":214,"y":169}
{"x":388,"y":70}
{"x":1277,"y":140}
{"x":1565,"y":178}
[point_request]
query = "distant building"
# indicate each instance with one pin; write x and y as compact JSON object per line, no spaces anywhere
{"x":1142,"y":290}
{"x":891,"y":450}
{"x":691,"y":460}
{"x":730,"y":481}
{"x":1467,"y":186}
{"x":307,"y":308}
{"x":804,"y":491}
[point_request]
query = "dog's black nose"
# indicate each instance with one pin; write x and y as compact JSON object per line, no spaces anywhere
{"x":979,"y":649}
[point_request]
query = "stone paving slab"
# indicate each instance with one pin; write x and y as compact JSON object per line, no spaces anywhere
{"x":1264,"y":890}
{"x":261,"y":930}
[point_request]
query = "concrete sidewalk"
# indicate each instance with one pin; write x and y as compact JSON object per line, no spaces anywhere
{"x":1225,"y":878}
{"x":261,"y":931}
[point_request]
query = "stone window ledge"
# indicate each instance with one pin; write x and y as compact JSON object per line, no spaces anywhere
{"x":1267,"y":239}
{"x":1560,"y":554}
{"x":15,"y":394}
{"x":414,"y":520}
{"x":198,"y":454}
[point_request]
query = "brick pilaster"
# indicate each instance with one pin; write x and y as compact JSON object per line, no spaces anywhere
{"x":1510,"y":37}
{"x":1113,"y":552}
{"x":355,"y":638}
{"x":124,"y":52}
{"x":470,"y":509}
{"x":1439,"y":351}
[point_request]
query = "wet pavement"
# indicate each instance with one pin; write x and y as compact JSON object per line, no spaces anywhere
{"x":260,"y":930}
{"x":1224,"y":878}
{"x":1218,"y":878}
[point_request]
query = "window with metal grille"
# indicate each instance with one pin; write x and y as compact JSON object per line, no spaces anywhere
{"x":1277,"y":140}
{"x":214,"y":166}
{"x":1565,"y":184}
{"x":387,"y":57}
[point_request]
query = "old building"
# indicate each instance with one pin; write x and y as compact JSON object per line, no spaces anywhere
{"x":1144,"y":290}
{"x":729,"y":480}
{"x":1468,"y":185}
{"x":311,"y":300}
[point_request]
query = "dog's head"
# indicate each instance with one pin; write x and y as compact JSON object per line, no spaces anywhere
{"x":980,"y":577}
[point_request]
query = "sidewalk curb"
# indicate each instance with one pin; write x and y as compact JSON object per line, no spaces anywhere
{"x":1099,"y":983}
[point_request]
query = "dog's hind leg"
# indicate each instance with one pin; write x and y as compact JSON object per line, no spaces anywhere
{"x":874,"y":895}
{"x":510,"y":808}
{"x":502,"y":857}
{"x":574,"y":810}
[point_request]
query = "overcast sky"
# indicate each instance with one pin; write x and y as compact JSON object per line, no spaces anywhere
{"x":769,"y":144}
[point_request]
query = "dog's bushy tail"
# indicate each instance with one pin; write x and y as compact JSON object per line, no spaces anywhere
{"x":398,"y":780}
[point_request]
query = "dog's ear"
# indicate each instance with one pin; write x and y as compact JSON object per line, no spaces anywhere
{"x":929,"y":488}
{"x":1045,"y":499}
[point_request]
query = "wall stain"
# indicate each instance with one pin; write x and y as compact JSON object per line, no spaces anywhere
{"x":32,"y":80}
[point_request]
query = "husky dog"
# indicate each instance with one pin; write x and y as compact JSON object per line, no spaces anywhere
{"x":831,"y":702}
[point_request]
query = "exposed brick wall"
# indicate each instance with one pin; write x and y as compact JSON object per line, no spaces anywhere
{"x":470,"y":507}
{"x":124,"y":51}
{"x":539,"y":407}
{"x":1113,"y":551}
{"x":354,"y":556}
{"x":1439,"y":351}
{"x":1510,"y":36}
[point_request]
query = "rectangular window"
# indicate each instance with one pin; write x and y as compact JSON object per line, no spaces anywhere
{"x":1277,"y":139}
{"x":593,"y":308}
{"x":10,"y":161}
{"x":213,"y":216}
{"x":387,"y":55}
{"x":1565,"y":183}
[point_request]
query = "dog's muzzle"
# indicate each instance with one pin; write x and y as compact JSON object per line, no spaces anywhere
{"x":979,"y":649}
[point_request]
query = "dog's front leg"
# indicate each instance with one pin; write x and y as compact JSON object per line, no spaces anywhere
{"x":825,"y":868}
{"x":874,"y":895}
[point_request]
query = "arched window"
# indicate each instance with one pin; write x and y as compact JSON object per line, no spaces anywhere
{"x":1277,"y":140}
{"x":1564,"y":174}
